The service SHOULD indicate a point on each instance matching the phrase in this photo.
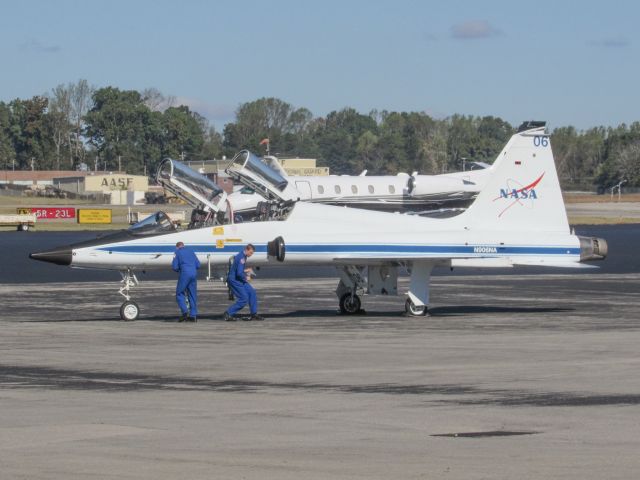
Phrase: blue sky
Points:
(567, 62)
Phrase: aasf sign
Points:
(117, 183)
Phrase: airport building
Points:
(302, 167)
(123, 189)
(116, 188)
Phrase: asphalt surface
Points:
(513, 376)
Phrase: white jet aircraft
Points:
(518, 218)
(431, 195)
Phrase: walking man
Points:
(238, 280)
(186, 263)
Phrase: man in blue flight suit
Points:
(238, 280)
(186, 264)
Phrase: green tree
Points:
(29, 133)
(7, 150)
(122, 129)
(183, 135)
(337, 138)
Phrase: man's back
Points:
(185, 260)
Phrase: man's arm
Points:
(175, 264)
(239, 270)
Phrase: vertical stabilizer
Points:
(523, 192)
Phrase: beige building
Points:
(124, 189)
(302, 167)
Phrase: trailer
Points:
(22, 222)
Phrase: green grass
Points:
(40, 201)
(590, 220)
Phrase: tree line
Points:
(112, 129)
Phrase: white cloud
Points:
(216, 112)
(619, 42)
(474, 29)
(34, 45)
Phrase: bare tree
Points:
(81, 94)
(156, 101)
(628, 163)
(60, 118)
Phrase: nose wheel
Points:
(129, 311)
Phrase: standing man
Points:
(238, 280)
(186, 264)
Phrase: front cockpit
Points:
(154, 224)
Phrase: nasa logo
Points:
(522, 194)
(517, 195)
(485, 250)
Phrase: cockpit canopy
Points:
(252, 172)
(154, 224)
(191, 186)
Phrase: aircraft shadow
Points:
(450, 311)
(453, 311)
(336, 314)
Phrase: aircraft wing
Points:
(474, 262)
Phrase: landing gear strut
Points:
(352, 280)
(129, 310)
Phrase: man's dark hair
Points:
(179, 245)
(250, 247)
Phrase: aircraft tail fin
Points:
(523, 192)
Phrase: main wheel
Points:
(129, 311)
(349, 304)
(414, 310)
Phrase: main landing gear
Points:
(350, 304)
(352, 280)
(129, 310)
(415, 310)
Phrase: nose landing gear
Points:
(129, 310)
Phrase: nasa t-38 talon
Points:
(518, 218)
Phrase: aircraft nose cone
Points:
(59, 256)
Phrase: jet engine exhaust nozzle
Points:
(592, 248)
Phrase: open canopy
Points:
(191, 186)
(251, 171)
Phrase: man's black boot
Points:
(183, 317)
(256, 317)
(228, 318)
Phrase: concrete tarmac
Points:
(512, 377)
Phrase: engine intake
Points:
(592, 248)
(276, 248)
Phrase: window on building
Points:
(371, 189)
(392, 189)
(320, 189)
(354, 189)
(338, 189)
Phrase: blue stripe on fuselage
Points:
(341, 249)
